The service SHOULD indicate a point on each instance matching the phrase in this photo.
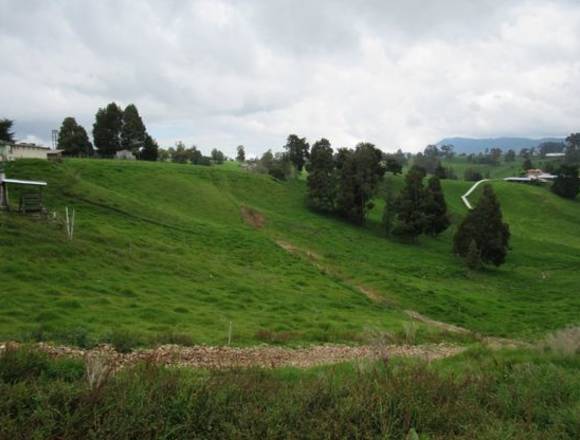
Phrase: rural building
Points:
(10, 151)
(125, 155)
(30, 194)
(555, 154)
(533, 176)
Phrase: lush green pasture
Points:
(480, 394)
(504, 169)
(163, 253)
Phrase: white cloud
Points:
(223, 73)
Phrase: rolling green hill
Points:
(176, 252)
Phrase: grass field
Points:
(162, 253)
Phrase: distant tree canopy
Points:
(133, 132)
(150, 149)
(116, 129)
(472, 175)
(435, 209)
(5, 134)
(527, 165)
(321, 178)
(73, 139)
(484, 226)
(393, 163)
(241, 154)
(510, 156)
(297, 150)
(572, 156)
(550, 147)
(217, 156)
(567, 184)
(410, 204)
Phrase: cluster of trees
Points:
(181, 154)
(114, 129)
(418, 209)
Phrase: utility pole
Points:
(54, 139)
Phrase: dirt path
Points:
(260, 356)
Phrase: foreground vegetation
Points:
(174, 253)
(478, 395)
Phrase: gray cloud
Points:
(221, 73)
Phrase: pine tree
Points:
(241, 156)
(107, 130)
(5, 134)
(435, 208)
(73, 139)
(440, 172)
(133, 130)
(484, 225)
(150, 149)
(473, 257)
(410, 204)
(567, 184)
(321, 178)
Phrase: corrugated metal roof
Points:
(24, 182)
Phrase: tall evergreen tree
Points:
(133, 132)
(241, 154)
(410, 203)
(567, 184)
(435, 208)
(5, 134)
(150, 149)
(298, 151)
(484, 225)
(107, 130)
(73, 139)
(321, 177)
(360, 172)
(527, 165)
(573, 149)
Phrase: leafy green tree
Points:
(164, 155)
(361, 171)
(150, 149)
(410, 204)
(472, 175)
(392, 164)
(266, 161)
(389, 211)
(107, 130)
(73, 139)
(196, 156)
(241, 154)
(180, 154)
(133, 132)
(217, 156)
(435, 208)
(567, 184)
(510, 156)
(484, 225)
(297, 150)
(321, 177)
(5, 134)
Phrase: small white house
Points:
(555, 154)
(124, 155)
(22, 151)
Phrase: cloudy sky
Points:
(222, 73)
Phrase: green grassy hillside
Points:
(164, 250)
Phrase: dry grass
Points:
(565, 341)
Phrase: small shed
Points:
(124, 155)
(30, 194)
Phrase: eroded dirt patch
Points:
(252, 217)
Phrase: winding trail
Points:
(475, 185)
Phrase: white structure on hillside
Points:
(22, 151)
(555, 154)
(533, 175)
(125, 154)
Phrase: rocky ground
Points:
(259, 356)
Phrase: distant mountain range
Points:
(473, 145)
